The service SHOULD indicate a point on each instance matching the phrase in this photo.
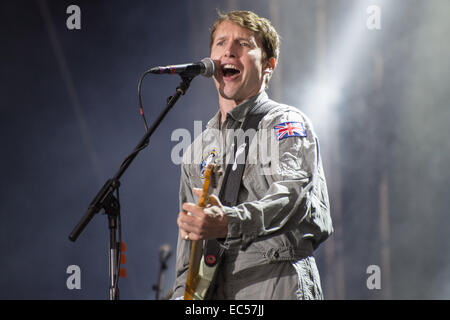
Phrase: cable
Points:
(141, 111)
(141, 108)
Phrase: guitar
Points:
(199, 274)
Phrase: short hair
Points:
(262, 27)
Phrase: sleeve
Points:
(183, 247)
(296, 194)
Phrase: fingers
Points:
(189, 235)
(189, 226)
(200, 225)
(184, 235)
(193, 210)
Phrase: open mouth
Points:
(230, 71)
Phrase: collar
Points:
(239, 112)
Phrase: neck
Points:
(226, 105)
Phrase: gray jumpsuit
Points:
(283, 211)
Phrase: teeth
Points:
(230, 66)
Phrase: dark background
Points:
(69, 115)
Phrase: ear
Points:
(270, 65)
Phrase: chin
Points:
(229, 94)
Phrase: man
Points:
(282, 213)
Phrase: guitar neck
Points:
(197, 245)
(195, 256)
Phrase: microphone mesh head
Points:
(210, 67)
(164, 252)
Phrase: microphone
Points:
(164, 253)
(206, 68)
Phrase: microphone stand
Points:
(106, 200)
(158, 287)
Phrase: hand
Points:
(198, 223)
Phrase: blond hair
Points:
(262, 27)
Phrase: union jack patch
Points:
(289, 129)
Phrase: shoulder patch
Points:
(289, 129)
(207, 159)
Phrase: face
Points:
(238, 56)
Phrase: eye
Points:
(220, 43)
(245, 44)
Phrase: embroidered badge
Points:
(207, 159)
(289, 129)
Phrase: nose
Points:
(230, 50)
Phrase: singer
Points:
(267, 223)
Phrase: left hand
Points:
(196, 224)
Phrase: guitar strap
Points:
(232, 179)
(231, 183)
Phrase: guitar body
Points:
(203, 282)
